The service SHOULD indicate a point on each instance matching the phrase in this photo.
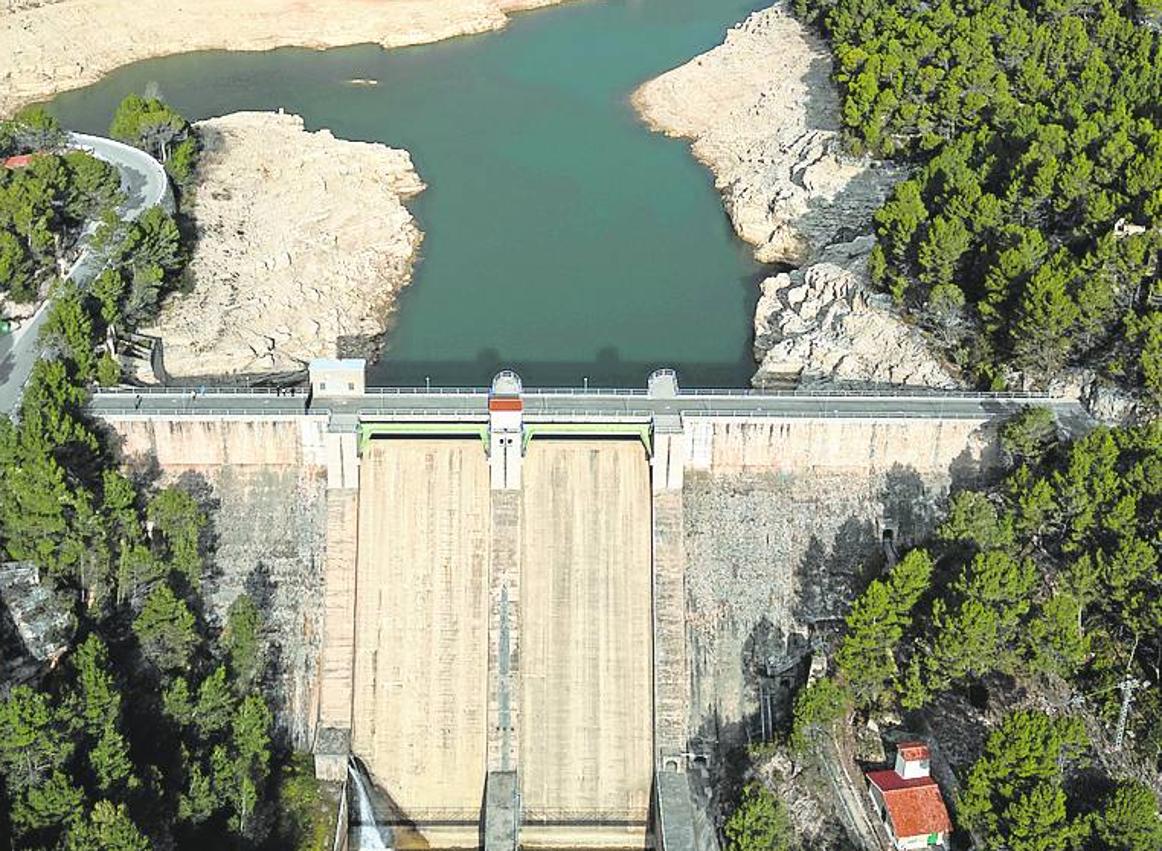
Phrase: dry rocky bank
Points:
(50, 46)
(304, 245)
(763, 116)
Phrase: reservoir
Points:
(562, 237)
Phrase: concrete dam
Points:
(533, 615)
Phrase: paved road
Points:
(144, 182)
(566, 403)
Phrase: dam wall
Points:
(784, 522)
(421, 628)
(268, 485)
(551, 600)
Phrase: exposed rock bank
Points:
(304, 245)
(49, 46)
(764, 118)
(821, 324)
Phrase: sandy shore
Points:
(49, 46)
(763, 115)
(304, 244)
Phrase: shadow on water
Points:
(607, 369)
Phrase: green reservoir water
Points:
(562, 238)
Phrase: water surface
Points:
(562, 238)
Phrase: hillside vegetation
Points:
(153, 729)
(1028, 235)
(1041, 591)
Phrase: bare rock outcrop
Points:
(764, 118)
(304, 244)
(821, 325)
(49, 46)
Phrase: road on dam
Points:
(472, 403)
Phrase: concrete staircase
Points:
(671, 673)
(504, 631)
(339, 609)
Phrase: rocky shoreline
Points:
(763, 115)
(50, 46)
(304, 245)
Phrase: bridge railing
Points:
(694, 392)
(880, 393)
(426, 391)
(199, 411)
(831, 413)
(200, 392)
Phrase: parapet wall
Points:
(796, 445)
(207, 441)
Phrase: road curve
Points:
(146, 185)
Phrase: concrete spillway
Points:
(573, 622)
(421, 613)
(585, 668)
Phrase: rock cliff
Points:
(821, 324)
(763, 116)
(49, 46)
(304, 244)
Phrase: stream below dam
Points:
(562, 237)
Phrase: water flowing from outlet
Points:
(366, 834)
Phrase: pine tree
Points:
(759, 822)
(866, 658)
(166, 631)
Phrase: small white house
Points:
(337, 377)
(909, 802)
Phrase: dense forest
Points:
(1027, 237)
(154, 729)
(1042, 589)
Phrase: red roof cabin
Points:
(18, 161)
(909, 802)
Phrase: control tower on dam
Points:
(537, 611)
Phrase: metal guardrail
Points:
(422, 391)
(473, 392)
(833, 413)
(877, 393)
(461, 414)
(537, 415)
(296, 411)
(187, 391)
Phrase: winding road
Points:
(145, 184)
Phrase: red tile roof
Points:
(19, 161)
(915, 806)
(912, 751)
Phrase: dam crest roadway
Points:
(506, 646)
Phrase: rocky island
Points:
(304, 244)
